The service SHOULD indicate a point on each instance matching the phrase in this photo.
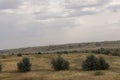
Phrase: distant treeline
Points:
(113, 52)
(106, 51)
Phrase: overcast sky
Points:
(26, 23)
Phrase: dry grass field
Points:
(41, 68)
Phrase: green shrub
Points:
(74, 51)
(39, 53)
(59, 52)
(90, 63)
(65, 52)
(60, 64)
(19, 54)
(93, 63)
(102, 51)
(24, 65)
(102, 64)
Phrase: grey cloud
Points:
(78, 4)
(82, 13)
(114, 8)
(10, 4)
(71, 8)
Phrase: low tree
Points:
(24, 65)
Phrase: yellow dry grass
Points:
(41, 68)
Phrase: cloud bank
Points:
(25, 23)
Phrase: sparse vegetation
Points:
(113, 52)
(0, 67)
(24, 65)
(4, 56)
(67, 52)
(41, 69)
(60, 64)
(98, 73)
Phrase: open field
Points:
(41, 68)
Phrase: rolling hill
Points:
(63, 47)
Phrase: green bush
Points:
(90, 63)
(39, 53)
(102, 51)
(24, 65)
(65, 52)
(102, 64)
(19, 54)
(60, 64)
(93, 63)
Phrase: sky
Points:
(27, 23)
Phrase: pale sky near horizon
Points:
(26, 23)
